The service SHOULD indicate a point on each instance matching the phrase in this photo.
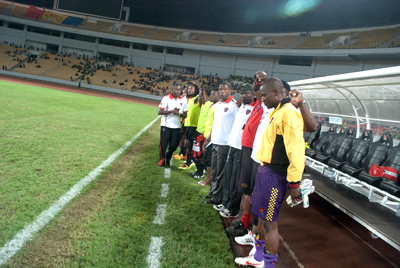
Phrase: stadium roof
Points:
(258, 16)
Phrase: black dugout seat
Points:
(330, 150)
(316, 143)
(377, 154)
(393, 160)
(358, 151)
(313, 136)
(324, 143)
(342, 150)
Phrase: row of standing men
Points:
(252, 151)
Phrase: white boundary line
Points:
(164, 190)
(291, 252)
(167, 173)
(153, 259)
(12, 247)
(160, 217)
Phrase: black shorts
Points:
(191, 133)
(207, 156)
(245, 171)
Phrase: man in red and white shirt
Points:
(172, 108)
(224, 116)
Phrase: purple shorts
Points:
(268, 193)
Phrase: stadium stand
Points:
(165, 35)
(3, 6)
(199, 38)
(372, 38)
(100, 26)
(395, 44)
(38, 67)
(18, 11)
(136, 31)
(236, 41)
(277, 41)
(321, 42)
(10, 56)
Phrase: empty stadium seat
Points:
(324, 141)
(330, 150)
(377, 153)
(352, 149)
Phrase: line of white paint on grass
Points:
(167, 173)
(12, 247)
(160, 217)
(153, 259)
(164, 190)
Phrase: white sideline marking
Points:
(164, 190)
(160, 217)
(291, 252)
(167, 173)
(12, 247)
(153, 259)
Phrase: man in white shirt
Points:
(172, 108)
(224, 116)
(235, 145)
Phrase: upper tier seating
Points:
(206, 39)
(100, 26)
(18, 11)
(377, 153)
(3, 6)
(373, 38)
(166, 35)
(321, 42)
(136, 31)
(278, 41)
(236, 41)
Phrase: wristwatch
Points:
(303, 101)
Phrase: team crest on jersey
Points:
(163, 129)
(262, 209)
(247, 112)
(226, 109)
(181, 103)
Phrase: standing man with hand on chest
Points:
(281, 155)
(172, 108)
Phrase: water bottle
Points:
(398, 211)
(332, 176)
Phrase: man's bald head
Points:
(272, 92)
